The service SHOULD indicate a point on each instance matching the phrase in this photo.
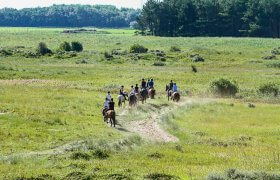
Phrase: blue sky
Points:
(42, 3)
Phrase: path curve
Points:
(150, 129)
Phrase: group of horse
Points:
(134, 98)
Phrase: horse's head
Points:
(166, 88)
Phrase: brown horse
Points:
(111, 115)
(152, 93)
(175, 97)
(132, 100)
(143, 95)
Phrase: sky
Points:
(19, 4)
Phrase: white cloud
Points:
(35, 3)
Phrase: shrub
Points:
(42, 49)
(5, 52)
(232, 174)
(161, 176)
(224, 87)
(270, 57)
(108, 56)
(198, 58)
(80, 155)
(269, 89)
(136, 48)
(274, 65)
(77, 46)
(65, 46)
(100, 154)
(276, 51)
(175, 49)
(159, 63)
(194, 69)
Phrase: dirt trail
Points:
(150, 129)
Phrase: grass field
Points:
(50, 107)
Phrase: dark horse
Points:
(110, 114)
(168, 91)
(152, 93)
(143, 95)
(132, 100)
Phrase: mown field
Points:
(50, 107)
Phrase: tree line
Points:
(256, 18)
(69, 16)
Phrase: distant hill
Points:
(69, 16)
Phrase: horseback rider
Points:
(148, 83)
(122, 92)
(136, 89)
(143, 84)
(105, 107)
(175, 88)
(132, 91)
(151, 84)
(112, 105)
(109, 97)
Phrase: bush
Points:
(108, 56)
(65, 46)
(100, 154)
(197, 58)
(77, 46)
(80, 155)
(42, 49)
(269, 89)
(194, 69)
(175, 49)
(136, 48)
(232, 174)
(5, 52)
(224, 87)
(161, 176)
(159, 63)
(274, 65)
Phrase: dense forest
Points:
(256, 18)
(69, 16)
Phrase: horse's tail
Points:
(120, 103)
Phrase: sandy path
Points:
(150, 129)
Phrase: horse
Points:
(175, 97)
(143, 95)
(152, 93)
(110, 114)
(132, 100)
(168, 91)
(121, 99)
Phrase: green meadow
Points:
(51, 126)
